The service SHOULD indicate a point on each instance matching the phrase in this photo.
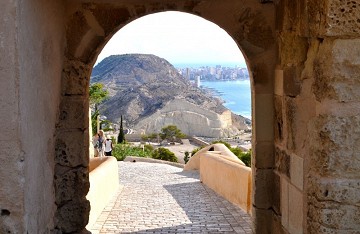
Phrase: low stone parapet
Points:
(228, 178)
(104, 183)
(224, 173)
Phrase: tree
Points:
(149, 137)
(171, 133)
(121, 136)
(97, 94)
(164, 154)
(186, 157)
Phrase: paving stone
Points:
(159, 198)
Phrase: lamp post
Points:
(98, 119)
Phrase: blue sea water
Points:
(236, 94)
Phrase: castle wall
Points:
(11, 187)
(31, 65)
(316, 112)
(304, 66)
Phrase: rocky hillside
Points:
(141, 85)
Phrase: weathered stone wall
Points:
(11, 163)
(316, 116)
(31, 44)
(41, 45)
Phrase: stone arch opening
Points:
(91, 25)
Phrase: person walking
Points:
(95, 144)
(108, 146)
(101, 145)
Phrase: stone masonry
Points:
(303, 58)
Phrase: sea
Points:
(236, 94)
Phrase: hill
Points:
(141, 86)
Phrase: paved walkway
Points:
(158, 198)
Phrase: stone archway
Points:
(310, 185)
(91, 25)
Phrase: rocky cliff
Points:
(150, 93)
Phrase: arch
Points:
(90, 27)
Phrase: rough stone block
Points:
(332, 217)
(342, 18)
(75, 78)
(74, 113)
(276, 194)
(263, 188)
(75, 32)
(295, 210)
(282, 162)
(292, 84)
(264, 156)
(297, 171)
(337, 70)
(277, 226)
(110, 18)
(263, 221)
(293, 52)
(279, 82)
(341, 191)
(264, 113)
(73, 216)
(285, 203)
(279, 124)
(72, 149)
(335, 148)
(70, 184)
(290, 121)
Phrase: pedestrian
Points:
(100, 142)
(108, 146)
(95, 144)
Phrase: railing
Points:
(223, 172)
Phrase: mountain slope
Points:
(141, 85)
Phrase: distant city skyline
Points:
(180, 38)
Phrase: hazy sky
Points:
(176, 37)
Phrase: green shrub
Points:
(222, 142)
(164, 154)
(246, 158)
(149, 148)
(121, 151)
(237, 151)
(194, 151)
(186, 157)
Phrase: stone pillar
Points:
(72, 150)
(333, 178)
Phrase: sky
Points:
(180, 38)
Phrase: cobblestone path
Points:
(158, 198)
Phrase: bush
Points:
(194, 151)
(164, 154)
(121, 151)
(246, 158)
(149, 148)
(222, 142)
(186, 157)
(237, 151)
